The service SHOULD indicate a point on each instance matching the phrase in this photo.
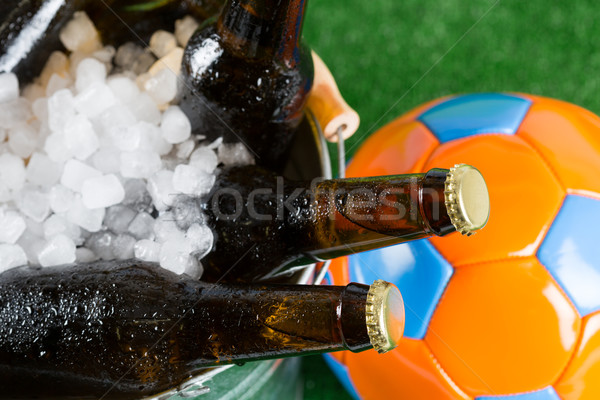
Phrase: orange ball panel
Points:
(415, 374)
(338, 270)
(503, 328)
(568, 137)
(397, 148)
(524, 198)
(581, 380)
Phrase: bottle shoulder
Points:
(209, 59)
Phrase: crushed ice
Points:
(97, 160)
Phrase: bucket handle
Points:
(328, 106)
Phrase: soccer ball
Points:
(512, 312)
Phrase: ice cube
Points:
(123, 247)
(137, 196)
(102, 243)
(192, 180)
(75, 173)
(57, 83)
(166, 229)
(162, 87)
(31, 243)
(89, 71)
(41, 170)
(94, 99)
(34, 203)
(14, 112)
(114, 118)
(160, 187)
(175, 125)
(80, 137)
(124, 89)
(152, 139)
(171, 62)
(142, 226)
(175, 255)
(107, 160)
(58, 250)
(80, 34)
(232, 154)
(140, 164)
(5, 194)
(12, 171)
(13, 226)
(204, 159)
(147, 250)
(145, 109)
(184, 29)
(105, 56)
(56, 224)
(84, 255)
(11, 255)
(61, 108)
(186, 211)
(186, 148)
(22, 140)
(201, 239)
(127, 54)
(60, 198)
(118, 218)
(162, 42)
(40, 110)
(90, 220)
(57, 63)
(35, 227)
(56, 147)
(102, 191)
(126, 138)
(9, 87)
(143, 62)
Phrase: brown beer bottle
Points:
(264, 225)
(132, 329)
(246, 77)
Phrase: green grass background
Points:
(389, 56)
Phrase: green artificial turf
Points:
(389, 56)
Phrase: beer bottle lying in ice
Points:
(247, 76)
(30, 29)
(265, 225)
(131, 329)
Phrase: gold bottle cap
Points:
(467, 199)
(385, 316)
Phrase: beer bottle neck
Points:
(361, 214)
(263, 28)
(390, 205)
(254, 322)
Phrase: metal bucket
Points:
(272, 379)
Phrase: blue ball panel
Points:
(545, 394)
(341, 372)
(418, 270)
(571, 252)
(475, 114)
